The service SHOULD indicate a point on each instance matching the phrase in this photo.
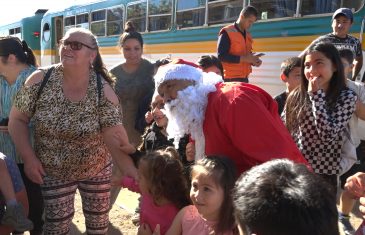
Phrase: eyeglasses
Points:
(74, 45)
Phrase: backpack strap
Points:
(44, 81)
(43, 84)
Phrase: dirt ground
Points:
(123, 209)
(120, 215)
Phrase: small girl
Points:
(163, 187)
(318, 111)
(212, 181)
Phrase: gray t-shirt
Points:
(349, 42)
(131, 88)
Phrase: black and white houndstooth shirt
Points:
(320, 134)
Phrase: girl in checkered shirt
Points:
(318, 111)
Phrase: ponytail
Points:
(30, 58)
(13, 45)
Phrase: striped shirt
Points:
(7, 94)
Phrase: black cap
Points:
(345, 12)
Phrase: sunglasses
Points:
(74, 45)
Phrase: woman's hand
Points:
(190, 151)
(34, 170)
(116, 181)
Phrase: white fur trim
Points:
(177, 71)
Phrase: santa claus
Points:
(238, 120)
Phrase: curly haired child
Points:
(163, 187)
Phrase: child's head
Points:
(290, 72)
(347, 58)
(323, 60)
(161, 174)
(210, 63)
(280, 197)
(212, 180)
(157, 106)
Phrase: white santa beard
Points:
(186, 115)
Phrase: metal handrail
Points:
(362, 29)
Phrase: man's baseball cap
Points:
(345, 12)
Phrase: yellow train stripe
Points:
(260, 44)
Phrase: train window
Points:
(159, 14)
(137, 14)
(84, 18)
(311, 7)
(270, 9)
(354, 4)
(46, 32)
(98, 23)
(69, 23)
(114, 21)
(82, 21)
(223, 11)
(190, 13)
(15, 31)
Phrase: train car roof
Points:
(82, 4)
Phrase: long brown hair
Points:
(298, 100)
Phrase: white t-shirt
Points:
(356, 129)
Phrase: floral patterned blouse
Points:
(68, 138)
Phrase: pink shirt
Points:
(151, 213)
(192, 223)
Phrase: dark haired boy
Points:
(290, 74)
(280, 197)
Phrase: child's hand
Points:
(116, 181)
(148, 117)
(144, 229)
(190, 151)
(313, 84)
(355, 185)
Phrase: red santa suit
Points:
(242, 122)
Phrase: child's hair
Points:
(165, 174)
(206, 61)
(280, 197)
(347, 54)
(289, 64)
(298, 100)
(223, 172)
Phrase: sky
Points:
(14, 10)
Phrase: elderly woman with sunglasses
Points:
(77, 119)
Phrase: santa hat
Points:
(178, 69)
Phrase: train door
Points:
(58, 35)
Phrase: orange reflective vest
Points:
(239, 46)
